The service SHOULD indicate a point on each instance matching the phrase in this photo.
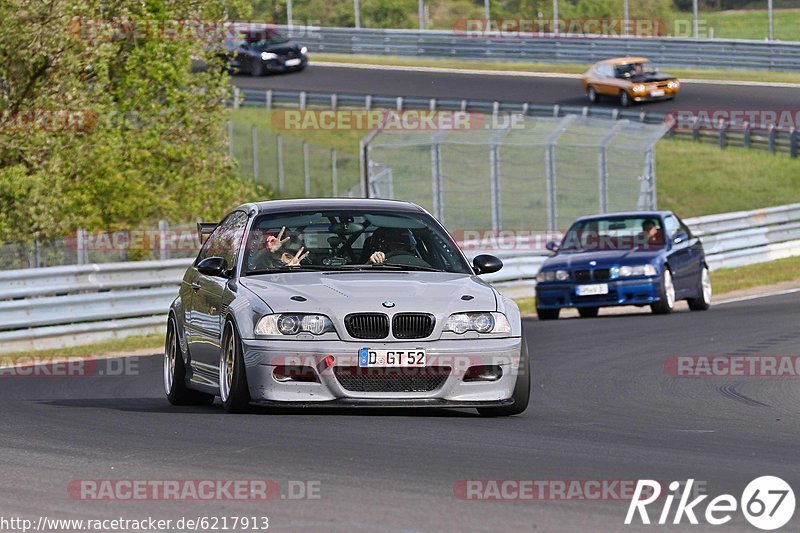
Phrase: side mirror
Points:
(213, 266)
(552, 246)
(679, 238)
(486, 264)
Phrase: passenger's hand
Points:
(377, 258)
(290, 260)
(274, 243)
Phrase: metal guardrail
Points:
(47, 308)
(774, 140)
(669, 51)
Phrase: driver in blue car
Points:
(650, 233)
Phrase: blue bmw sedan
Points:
(639, 258)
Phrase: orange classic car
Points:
(628, 79)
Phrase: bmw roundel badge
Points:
(387, 304)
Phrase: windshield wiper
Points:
(390, 266)
(282, 269)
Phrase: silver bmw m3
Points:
(342, 302)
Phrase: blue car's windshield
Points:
(614, 233)
(353, 239)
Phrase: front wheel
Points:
(233, 390)
(257, 69)
(522, 388)
(175, 372)
(591, 95)
(703, 300)
(666, 301)
(624, 99)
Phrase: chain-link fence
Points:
(541, 173)
(290, 166)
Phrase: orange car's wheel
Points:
(591, 94)
(624, 99)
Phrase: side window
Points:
(671, 226)
(225, 240)
(685, 229)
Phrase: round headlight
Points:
(458, 323)
(625, 271)
(314, 324)
(562, 275)
(304, 50)
(266, 56)
(638, 88)
(289, 324)
(483, 323)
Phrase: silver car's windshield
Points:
(352, 239)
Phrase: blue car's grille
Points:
(598, 274)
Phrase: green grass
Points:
(696, 179)
(154, 342)
(559, 68)
(751, 24)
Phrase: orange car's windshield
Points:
(635, 69)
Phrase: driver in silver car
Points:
(394, 245)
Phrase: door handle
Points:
(195, 286)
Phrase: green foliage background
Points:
(156, 148)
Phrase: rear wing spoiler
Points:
(204, 229)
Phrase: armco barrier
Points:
(671, 51)
(47, 308)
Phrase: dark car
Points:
(258, 53)
(641, 258)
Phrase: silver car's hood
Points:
(339, 293)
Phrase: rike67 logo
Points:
(767, 503)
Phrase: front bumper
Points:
(280, 64)
(263, 356)
(647, 97)
(639, 291)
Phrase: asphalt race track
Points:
(603, 409)
(562, 91)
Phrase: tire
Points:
(588, 312)
(233, 390)
(547, 314)
(666, 301)
(522, 388)
(257, 69)
(591, 94)
(703, 300)
(175, 372)
(624, 99)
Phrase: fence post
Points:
(306, 170)
(436, 181)
(334, 174)
(723, 133)
(268, 99)
(163, 249)
(37, 252)
(463, 106)
(494, 186)
(602, 174)
(334, 101)
(773, 133)
(82, 254)
(303, 97)
(793, 143)
(230, 139)
(556, 110)
(399, 103)
(746, 136)
(696, 129)
(254, 140)
(281, 177)
(235, 98)
(551, 185)
(368, 102)
(432, 104)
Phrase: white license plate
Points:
(656, 94)
(592, 290)
(368, 358)
(292, 62)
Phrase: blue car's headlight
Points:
(552, 275)
(481, 322)
(292, 324)
(628, 271)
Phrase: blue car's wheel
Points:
(703, 300)
(666, 295)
